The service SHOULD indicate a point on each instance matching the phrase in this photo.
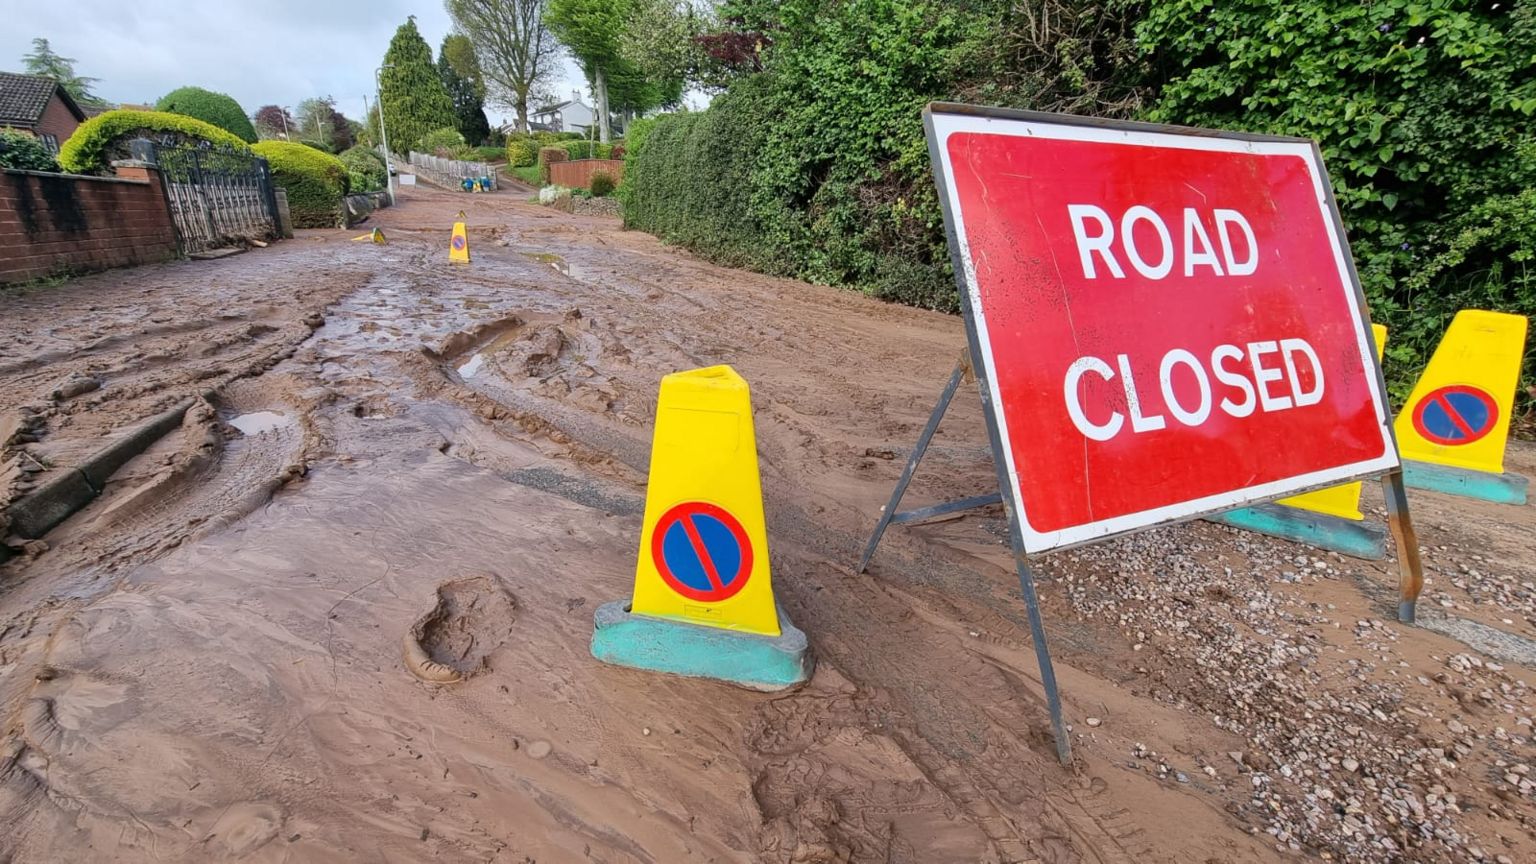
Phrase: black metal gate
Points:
(217, 195)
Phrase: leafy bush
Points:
(488, 153)
(365, 169)
(217, 109)
(546, 156)
(522, 152)
(24, 152)
(441, 142)
(105, 137)
(322, 146)
(602, 184)
(315, 182)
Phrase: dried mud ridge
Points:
(471, 618)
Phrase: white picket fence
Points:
(450, 172)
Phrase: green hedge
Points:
(218, 109)
(688, 178)
(315, 182)
(522, 152)
(103, 138)
(365, 169)
(546, 156)
(586, 149)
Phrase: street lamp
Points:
(378, 99)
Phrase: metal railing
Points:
(217, 195)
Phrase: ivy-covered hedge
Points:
(103, 138)
(1426, 116)
(365, 168)
(817, 167)
(218, 109)
(315, 182)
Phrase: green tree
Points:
(43, 61)
(414, 99)
(459, 52)
(516, 50)
(591, 30)
(217, 108)
(468, 103)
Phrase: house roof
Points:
(23, 99)
(548, 108)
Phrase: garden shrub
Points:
(104, 138)
(365, 169)
(601, 184)
(217, 109)
(441, 142)
(546, 156)
(315, 182)
(23, 152)
(488, 153)
(322, 146)
(522, 152)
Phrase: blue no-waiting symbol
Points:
(1455, 415)
(702, 552)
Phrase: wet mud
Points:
(288, 632)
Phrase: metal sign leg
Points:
(917, 456)
(1043, 658)
(1410, 571)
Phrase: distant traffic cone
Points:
(458, 245)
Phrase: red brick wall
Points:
(57, 121)
(60, 223)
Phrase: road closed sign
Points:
(1167, 323)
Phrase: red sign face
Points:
(1168, 323)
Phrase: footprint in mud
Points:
(472, 617)
(246, 826)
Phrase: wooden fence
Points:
(577, 174)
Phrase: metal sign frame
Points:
(973, 363)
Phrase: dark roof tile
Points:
(24, 97)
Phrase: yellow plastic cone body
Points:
(704, 546)
(458, 244)
(1343, 500)
(1458, 414)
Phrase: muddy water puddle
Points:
(558, 262)
(257, 422)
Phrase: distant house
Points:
(38, 105)
(571, 116)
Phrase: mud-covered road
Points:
(206, 663)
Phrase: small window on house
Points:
(50, 142)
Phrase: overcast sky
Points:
(263, 53)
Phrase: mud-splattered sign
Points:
(1167, 323)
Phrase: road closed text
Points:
(1236, 380)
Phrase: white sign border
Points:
(942, 124)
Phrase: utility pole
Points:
(378, 99)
